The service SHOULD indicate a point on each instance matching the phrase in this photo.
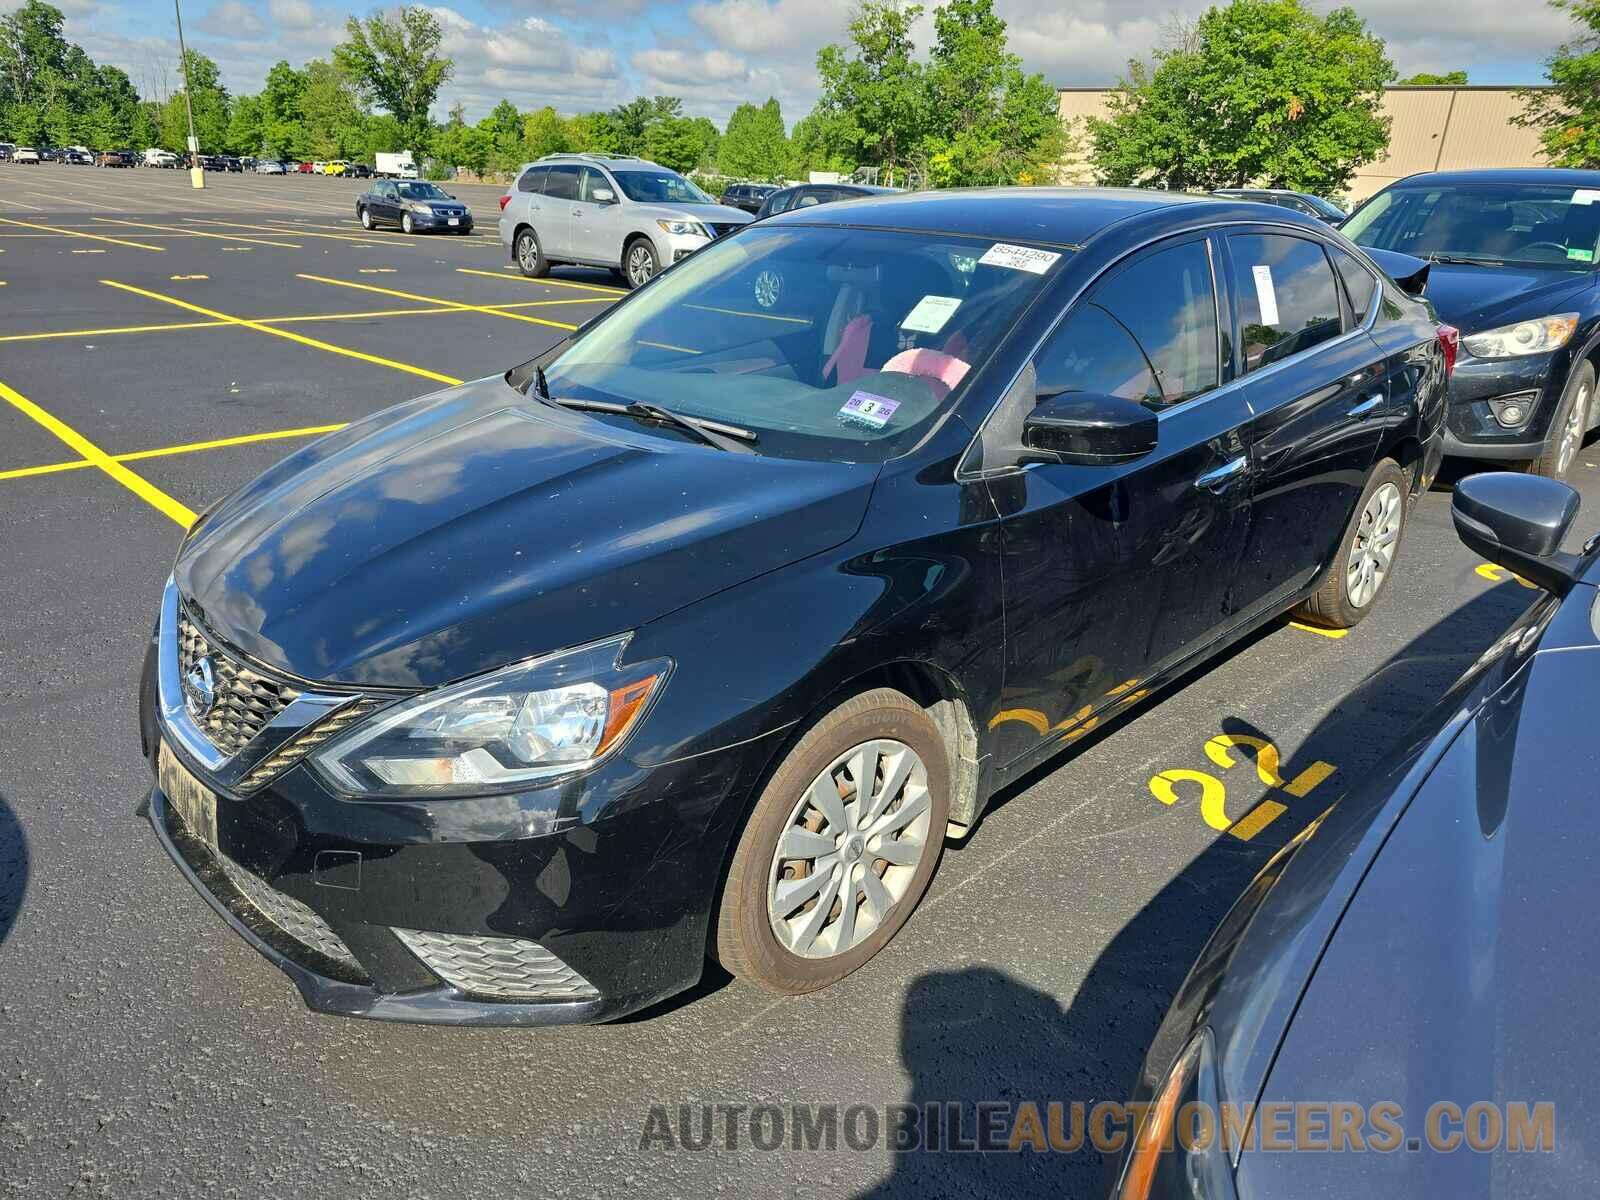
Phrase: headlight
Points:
(1179, 1151)
(684, 228)
(501, 731)
(1525, 337)
(418, 206)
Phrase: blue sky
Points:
(583, 54)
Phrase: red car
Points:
(303, 168)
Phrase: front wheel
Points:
(839, 848)
(366, 218)
(407, 225)
(1366, 554)
(1567, 429)
(639, 264)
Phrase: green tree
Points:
(873, 106)
(330, 106)
(816, 145)
(989, 121)
(545, 131)
(1568, 115)
(394, 61)
(755, 146)
(245, 128)
(503, 128)
(1260, 92)
(210, 100)
(598, 133)
(1451, 78)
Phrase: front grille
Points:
(307, 740)
(724, 229)
(295, 919)
(501, 968)
(245, 700)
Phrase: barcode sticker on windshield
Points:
(1266, 294)
(931, 313)
(869, 409)
(1019, 258)
(1586, 196)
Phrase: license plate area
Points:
(455, 220)
(195, 802)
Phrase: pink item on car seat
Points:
(850, 356)
(941, 370)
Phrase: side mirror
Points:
(1519, 521)
(1090, 430)
(603, 195)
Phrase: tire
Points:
(530, 254)
(1567, 427)
(1360, 571)
(818, 950)
(639, 264)
(366, 217)
(406, 224)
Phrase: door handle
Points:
(577, 212)
(1368, 406)
(1218, 478)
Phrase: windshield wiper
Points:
(714, 433)
(540, 383)
(1474, 260)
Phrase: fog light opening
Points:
(1512, 411)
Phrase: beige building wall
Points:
(1431, 128)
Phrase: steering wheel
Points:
(1560, 250)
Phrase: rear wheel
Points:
(1567, 430)
(530, 255)
(839, 848)
(1366, 554)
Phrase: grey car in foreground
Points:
(1401, 1005)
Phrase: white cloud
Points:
(232, 19)
(691, 67)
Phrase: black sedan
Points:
(416, 206)
(808, 194)
(704, 628)
(1401, 977)
(747, 196)
(1515, 268)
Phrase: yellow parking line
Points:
(164, 451)
(477, 308)
(221, 237)
(341, 237)
(284, 333)
(134, 482)
(75, 233)
(72, 333)
(567, 283)
(1318, 630)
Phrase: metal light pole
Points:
(197, 177)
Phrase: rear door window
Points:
(1285, 295)
(1360, 285)
(562, 184)
(533, 179)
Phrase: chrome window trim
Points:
(966, 474)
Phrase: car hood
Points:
(477, 527)
(721, 214)
(1463, 968)
(1477, 298)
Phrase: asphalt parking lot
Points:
(158, 347)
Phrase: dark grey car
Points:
(1421, 955)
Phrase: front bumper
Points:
(432, 221)
(614, 886)
(1471, 430)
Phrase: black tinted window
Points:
(533, 180)
(1165, 300)
(1359, 283)
(563, 183)
(1092, 352)
(1287, 299)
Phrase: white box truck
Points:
(395, 166)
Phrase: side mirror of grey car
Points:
(603, 195)
(1088, 429)
(1518, 522)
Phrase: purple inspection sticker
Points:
(870, 409)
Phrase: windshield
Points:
(1540, 225)
(659, 187)
(1326, 207)
(421, 191)
(829, 343)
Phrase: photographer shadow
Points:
(13, 867)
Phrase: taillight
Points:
(1450, 343)
(505, 200)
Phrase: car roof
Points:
(1558, 176)
(1061, 216)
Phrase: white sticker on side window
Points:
(1266, 294)
(931, 313)
(1019, 258)
(1586, 196)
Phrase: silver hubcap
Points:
(1572, 431)
(850, 849)
(1373, 550)
(407, 224)
(366, 219)
(641, 264)
(528, 252)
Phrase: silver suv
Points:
(624, 213)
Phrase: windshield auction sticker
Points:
(1019, 258)
(869, 409)
(1266, 294)
(1586, 196)
(931, 313)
